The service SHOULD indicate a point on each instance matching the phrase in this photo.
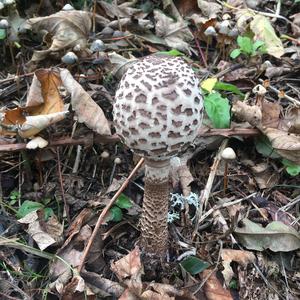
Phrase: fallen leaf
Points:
(176, 34)
(209, 9)
(86, 109)
(276, 236)
(213, 288)
(264, 31)
(67, 29)
(240, 256)
(44, 233)
(286, 144)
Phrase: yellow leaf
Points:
(209, 84)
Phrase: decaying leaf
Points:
(213, 288)
(66, 30)
(176, 34)
(286, 144)
(241, 257)
(86, 109)
(209, 9)
(45, 233)
(264, 31)
(276, 236)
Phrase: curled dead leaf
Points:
(86, 109)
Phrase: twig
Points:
(87, 141)
(206, 192)
(104, 212)
(294, 101)
(62, 186)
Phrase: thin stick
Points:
(66, 206)
(104, 212)
(206, 192)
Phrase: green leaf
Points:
(228, 87)
(28, 207)
(291, 167)
(48, 211)
(257, 45)
(172, 52)
(114, 214)
(246, 44)
(123, 202)
(2, 34)
(218, 110)
(235, 53)
(194, 265)
(264, 147)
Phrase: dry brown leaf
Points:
(240, 256)
(67, 29)
(245, 112)
(286, 144)
(209, 9)
(270, 114)
(265, 176)
(176, 34)
(43, 96)
(296, 25)
(213, 288)
(86, 109)
(129, 265)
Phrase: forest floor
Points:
(233, 222)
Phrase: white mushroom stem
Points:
(154, 226)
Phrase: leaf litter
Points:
(236, 239)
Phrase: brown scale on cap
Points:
(157, 112)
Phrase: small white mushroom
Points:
(68, 7)
(228, 154)
(210, 31)
(4, 24)
(69, 58)
(157, 113)
(117, 161)
(104, 154)
(97, 46)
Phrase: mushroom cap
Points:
(97, 45)
(69, 58)
(228, 154)
(158, 107)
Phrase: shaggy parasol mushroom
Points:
(157, 113)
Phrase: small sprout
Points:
(4, 24)
(228, 154)
(117, 161)
(210, 31)
(97, 46)
(68, 7)
(104, 154)
(69, 58)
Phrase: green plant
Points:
(14, 196)
(30, 206)
(248, 47)
(115, 214)
(291, 168)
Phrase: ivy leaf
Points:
(258, 44)
(194, 265)
(264, 147)
(123, 202)
(218, 110)
(292, 168)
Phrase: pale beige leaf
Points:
(35, 124)
(264, 31)
(86, 109)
